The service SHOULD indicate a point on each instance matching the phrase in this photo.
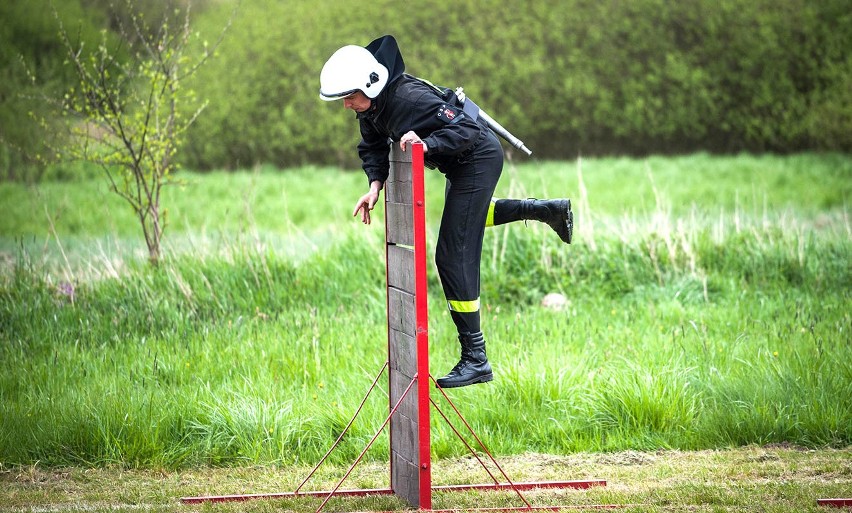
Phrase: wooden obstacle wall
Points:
(408, 354)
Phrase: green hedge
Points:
(568, 77)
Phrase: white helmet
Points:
(352, 68)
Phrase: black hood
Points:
(386, 51)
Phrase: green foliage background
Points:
(32, 61)
(569, 77)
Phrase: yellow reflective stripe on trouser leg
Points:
(489, 221)
(463, 306)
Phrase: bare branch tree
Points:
(128, 114)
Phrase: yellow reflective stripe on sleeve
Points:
(489, 221)
(464, 306)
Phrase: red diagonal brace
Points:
(345, 430)
(370, 444)
(482, 445)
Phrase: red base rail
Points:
(579, 485)
(835, 503)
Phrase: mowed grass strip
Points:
(766, 479)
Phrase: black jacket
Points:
(406, 104)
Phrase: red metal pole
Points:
(577, 485)
(422, 338)
(537, 508)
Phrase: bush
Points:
(579, 77)
(569, 78)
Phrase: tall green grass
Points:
(690, 323)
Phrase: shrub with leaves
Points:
(128, 115)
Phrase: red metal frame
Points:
(425, 495)
(418, 194)
(835, 503)
(422, 379)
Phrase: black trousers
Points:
(470, 187)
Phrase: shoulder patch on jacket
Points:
(449, 114)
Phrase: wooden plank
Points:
(401, 268)
(403, 353)
(404, 479)
(408, 407)
(397, 155)
(398, 192)
(408, 480)
(404, 440)
(400, 224)
(401, 314)
(398, 187)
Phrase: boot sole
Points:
(565, 226)
(569, 221)
(479, 379)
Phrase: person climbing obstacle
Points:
(394, 107)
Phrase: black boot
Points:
(473, 366)
(556, 213)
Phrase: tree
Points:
(127, 110)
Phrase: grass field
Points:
(709, 307)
